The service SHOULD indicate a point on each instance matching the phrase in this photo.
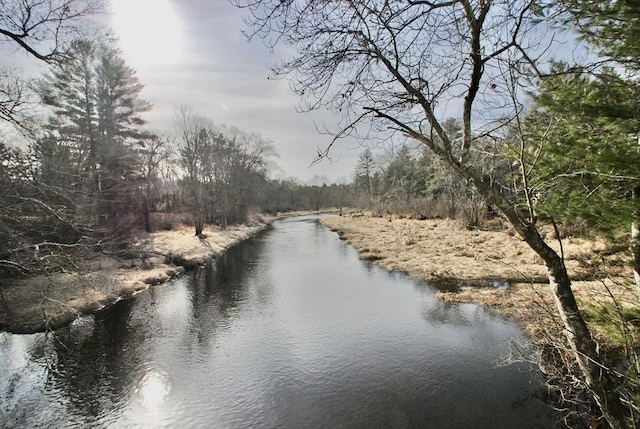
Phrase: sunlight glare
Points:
(153, 390)
(150, 31)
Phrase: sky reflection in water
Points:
(289, 330)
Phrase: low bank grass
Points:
(443, 251)
(614, 315)
(618, 327)
(495, 268)
(55, 298)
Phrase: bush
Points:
(168, 221)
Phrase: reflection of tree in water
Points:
(25, 362)
(95, 360)
(224, 284)
(440, 313)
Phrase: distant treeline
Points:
(92, 173)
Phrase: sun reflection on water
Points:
(153, 390)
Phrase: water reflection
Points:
(153, 390)
(290, 330)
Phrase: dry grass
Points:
(443, 249)
(470, 265)
(42, 302)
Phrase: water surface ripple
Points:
(289, 330)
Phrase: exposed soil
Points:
(494, 267)
(38, 303)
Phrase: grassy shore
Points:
(495, 268)
(488, 267)
(42, 302)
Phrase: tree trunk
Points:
(199, 224)
(146, 213)
(146, 217)
(635, 238)
(146, 209)
(599, 379)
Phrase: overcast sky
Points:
(192, 52)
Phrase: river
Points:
(287, 330)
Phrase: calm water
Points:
(289, 330)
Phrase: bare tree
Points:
(223, 168)
(156, 152)
(16, 108)
(402, 66)
(193, 147)
(43, 27)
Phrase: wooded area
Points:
(92, 172)
(541, 138)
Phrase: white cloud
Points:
(223, 76)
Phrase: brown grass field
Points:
(495, 268)
(38, 303)
(490, 267)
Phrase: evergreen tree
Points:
(614, 27)
(611, 25)
(70, 90)
(96, 126)
(363, 177)
(584, 131)
(403, 182)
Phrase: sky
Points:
(193, 53)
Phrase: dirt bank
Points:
(494, 268)
(33, 304)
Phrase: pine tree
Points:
(96, 125)
(614, 28)
(364, 172)
(583, 131)
(611, 25)
(70, 90)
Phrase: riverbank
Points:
(494, 268)
(38, 303)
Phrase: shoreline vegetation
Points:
(491, 267)
(44, 302)
(494, 268)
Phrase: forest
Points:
(539, 139)
(92, 173)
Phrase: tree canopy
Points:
(584, 143)
(612, 26)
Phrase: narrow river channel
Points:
(288, 330)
